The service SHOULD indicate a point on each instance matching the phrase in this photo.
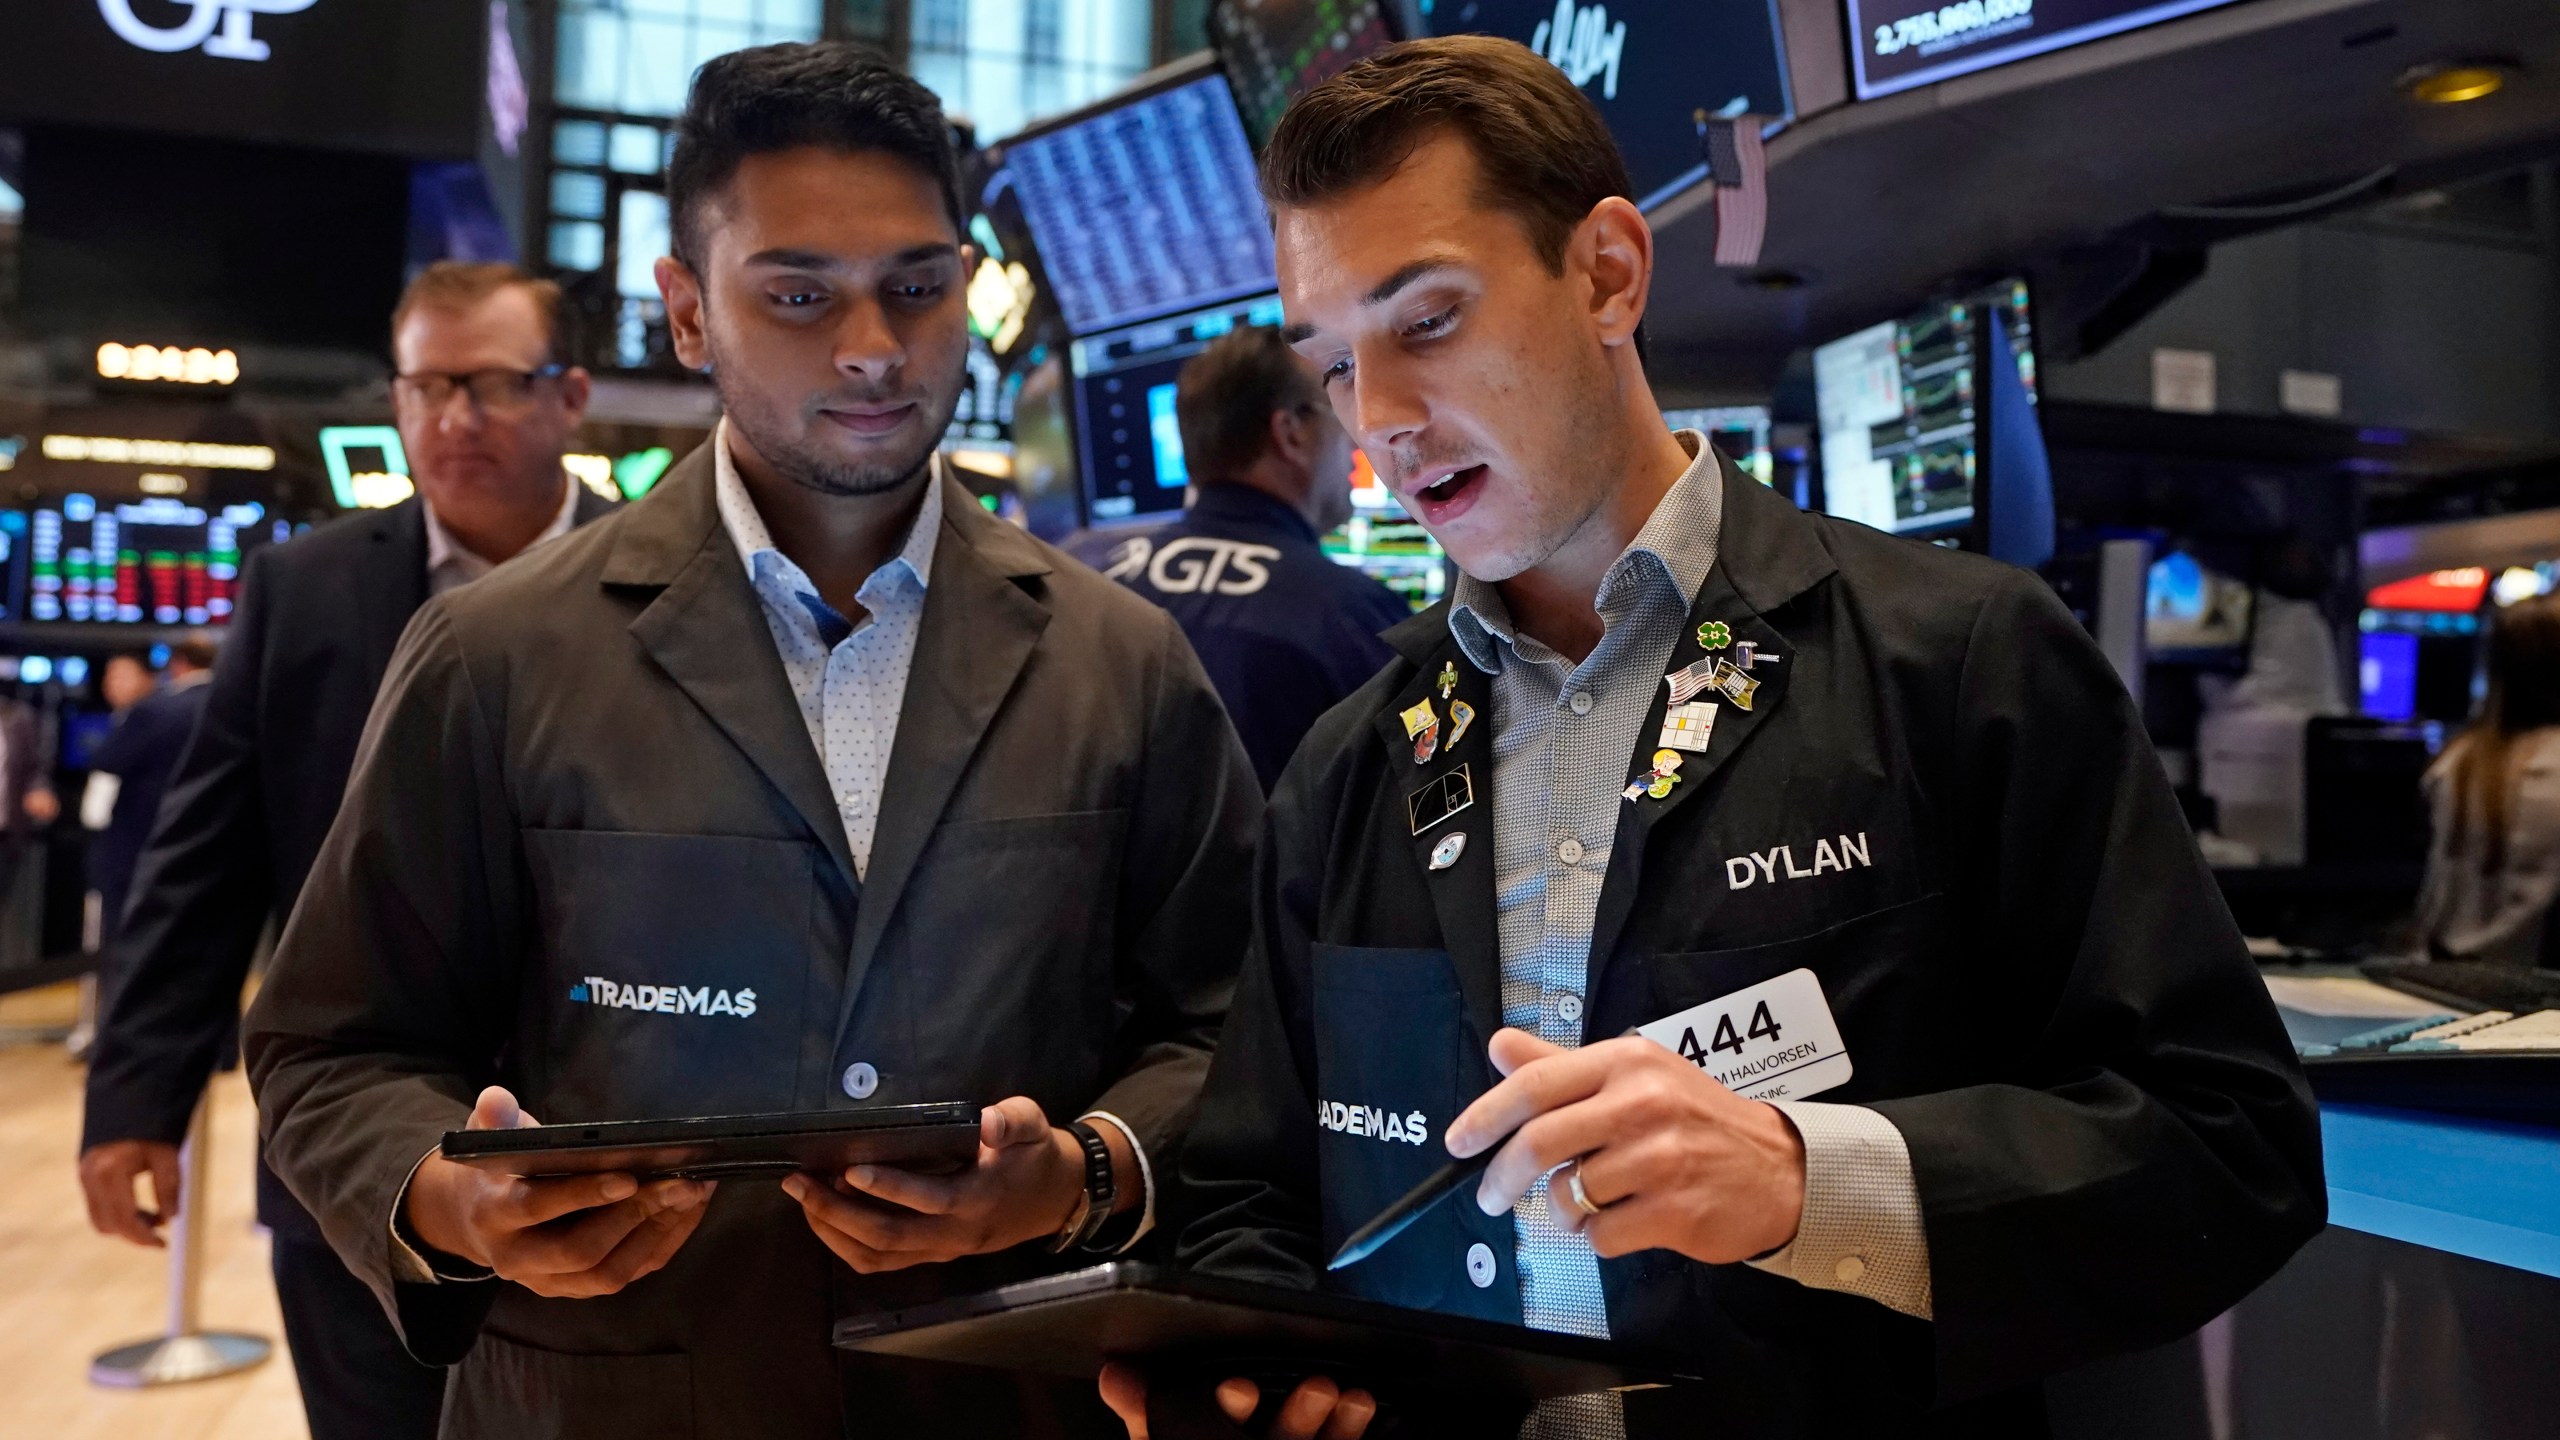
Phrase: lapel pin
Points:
(1461, 715)
(1688, 727)
(1690, 680)
(1426, 744)
(1735, 686)
(1656, 782)
(1440, 799)
(1448, 680)
(1451, 846)
(1746, 653)
(1419, 718)
(1714, 635)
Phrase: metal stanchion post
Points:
(182, 1352)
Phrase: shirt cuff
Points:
(1146, 1177)
(409, 1262)
(1861, 1232)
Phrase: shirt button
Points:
(1480, 1266)
(1570, 1007)
(1849, 1269)
(860, 1079)
(1570, 852)
(1581, 702)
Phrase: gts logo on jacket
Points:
(1372, 1122)
(1195, 565)
(664, 999)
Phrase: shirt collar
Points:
(1675, 548)
(738, 515)
(444, 549)
(1241, 504)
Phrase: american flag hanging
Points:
(1741, 176)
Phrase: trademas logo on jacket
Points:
(664, 999)
(1372, 1122)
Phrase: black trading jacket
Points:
(2036, 979)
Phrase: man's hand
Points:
(1029, 1178)
(571, 1237)
(41, 805)
(107, 1176)
(1673, 1160)
(1317, 1410)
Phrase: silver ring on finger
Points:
(1574, 1191)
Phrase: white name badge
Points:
(1774, 1041)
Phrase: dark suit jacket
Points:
(140, 752)
(590, 768)
(252, 797)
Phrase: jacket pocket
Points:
(1883, 973)
(675, 972)
(504, 1390)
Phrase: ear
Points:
(1613, 246)
(1290, 439)
(576, 388)
(683, 292)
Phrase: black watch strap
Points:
(1101, 1188)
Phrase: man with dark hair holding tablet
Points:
(1951, 1069)
(920, 810)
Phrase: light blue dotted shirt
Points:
(850, 680)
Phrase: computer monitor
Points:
(2387, 674)
(1128, 442)
(1740, 431)
(1897, 44)
(2195, 615)
(1274, 50)
(1904, 413)
(1146, 204)
(151, 562)
(1653, 69)
(1381, 541)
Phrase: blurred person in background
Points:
(486, 404)
(130, 771)
(2493, 866)
(123, 682)
(1284, 632)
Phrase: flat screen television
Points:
(150, 562)
(1897, 44)
(1128, 443)
(1274, 50)
(1145, 204)
(1908, 416)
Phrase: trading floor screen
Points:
(1126, 431)
(1900, 407)
(1147, 207)
(156, 562)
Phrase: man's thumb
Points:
(496, 1110)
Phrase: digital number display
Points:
(1903, 43)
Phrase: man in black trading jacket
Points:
(1284, 632)
(806, 721)
(485, 407)
(1953, 1073)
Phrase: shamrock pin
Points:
(1715, 635)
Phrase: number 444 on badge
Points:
(1773, 1041)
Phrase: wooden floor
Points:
(67, 1292)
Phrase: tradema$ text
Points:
(1372, 1122)
(664, 999)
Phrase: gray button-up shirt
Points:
(1563, 735)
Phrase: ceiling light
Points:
(2455, 83)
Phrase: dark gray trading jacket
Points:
(2036, 979)
(590, 764)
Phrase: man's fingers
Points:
(1351, 1416)
(925, 1194)
(1539, 1146)
(167, 1190)
(1237, 1397)
(1512, 1049)
(1306, 1410)
(106, 1183)
(1124, 1390)
(524, 1204)
(568, 1246)
(1533, 1089)
(1015, 1121)
(647, 1249)
(496, 1109)
(877, 1239)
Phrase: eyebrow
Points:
(1380, 293)
(787, 259)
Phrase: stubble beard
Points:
(776, 437)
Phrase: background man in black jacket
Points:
(130, 772)
(485, 411)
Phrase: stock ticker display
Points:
(1901, 406)
(152, 562)
(1275, 49)
(1146, 207)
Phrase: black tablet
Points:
(1171, 1322)
(939, 1137)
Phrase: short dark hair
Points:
(828, 93)
(1226, 395)
(196, 650)
(1544, 153)
(460, 284)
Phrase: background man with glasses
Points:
(485, 407)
